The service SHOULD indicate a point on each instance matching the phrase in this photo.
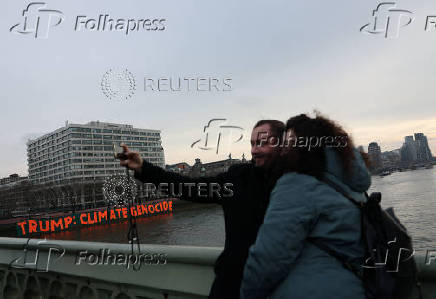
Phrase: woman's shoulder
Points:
(293, 181)
(292, 197)
(304, 190)
(301, 188)
(307, 190)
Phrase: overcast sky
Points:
(284, 58)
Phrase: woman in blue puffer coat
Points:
(307, 219)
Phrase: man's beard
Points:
(272, 161)
(279, 163)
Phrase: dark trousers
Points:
(225, 288)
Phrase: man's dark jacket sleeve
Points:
(156, 175)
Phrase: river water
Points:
(411, 193)
(189, 224)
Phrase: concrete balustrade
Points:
(38, 268)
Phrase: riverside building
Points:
(85, 151)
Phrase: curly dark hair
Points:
(311, 160)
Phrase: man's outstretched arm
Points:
(211, 189)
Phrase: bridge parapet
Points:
(35, 268)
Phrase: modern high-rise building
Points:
(374, 153)
(409, 149)
(423, 152)
(415, 149)
(85, 151)
(409, 139)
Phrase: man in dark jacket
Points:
(243, 212)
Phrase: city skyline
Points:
(169, 161)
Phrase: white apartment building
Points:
(85, 151)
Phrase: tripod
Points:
(132, 233)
